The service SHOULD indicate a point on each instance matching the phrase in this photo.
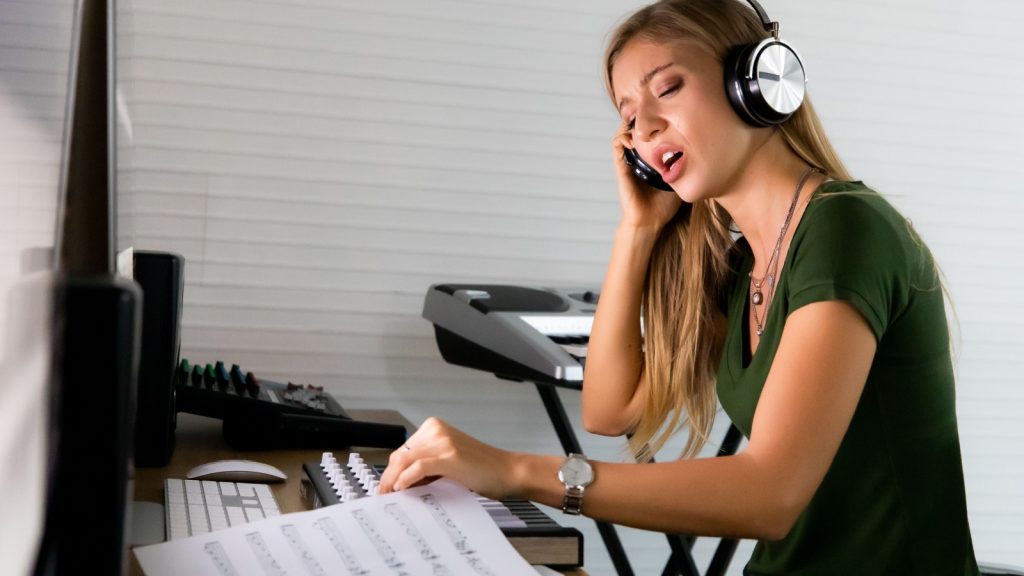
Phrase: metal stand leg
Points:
(556, 411)
(680, 562)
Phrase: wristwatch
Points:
(576, 473)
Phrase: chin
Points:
(686, 191)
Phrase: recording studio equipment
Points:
(160, 275)
(261, 414)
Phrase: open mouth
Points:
(669, 158)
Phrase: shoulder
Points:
(847, 221)
(852, 244)
(852, 207)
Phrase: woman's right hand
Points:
(642, 206)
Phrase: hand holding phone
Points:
(641, 206)
(643, 171)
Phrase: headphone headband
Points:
(764, 80)
(767, 22)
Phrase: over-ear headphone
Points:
(765, 81)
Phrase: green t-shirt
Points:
(893, 500)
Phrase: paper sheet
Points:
(438, 529)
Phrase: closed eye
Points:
(671, 90)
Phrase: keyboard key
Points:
(198, 507)
(228, 489)
(236, 515)
(197, 517)
(263, 492)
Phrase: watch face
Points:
(576, 471)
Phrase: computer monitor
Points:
(66, 391)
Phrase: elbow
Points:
(604, 424)
(780, 517)
(775, 529)
(601, 426)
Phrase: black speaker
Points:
(766, 81)
(160, 275)
(89, 489)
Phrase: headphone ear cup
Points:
(744, 92)
(735, 85)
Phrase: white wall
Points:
(321, 162)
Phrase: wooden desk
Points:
(199, 440)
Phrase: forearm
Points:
(615, 355)
(724, 496)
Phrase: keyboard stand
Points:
(556, 411)
(680, 562)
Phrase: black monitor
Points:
(94, 317)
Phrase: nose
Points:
(648, 124)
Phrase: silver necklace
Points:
(771, 270)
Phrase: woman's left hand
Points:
(439, 450)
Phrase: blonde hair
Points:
(689, 269)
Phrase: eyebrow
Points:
(646, 80)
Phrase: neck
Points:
(759, 197)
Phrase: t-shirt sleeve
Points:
(851, 251)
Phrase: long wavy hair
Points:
(689, 269)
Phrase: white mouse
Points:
(237, 471)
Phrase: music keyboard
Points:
(515, 332)
(538, 538)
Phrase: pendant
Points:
(760, 331)
(757, 298)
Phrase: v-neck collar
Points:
(742, 360)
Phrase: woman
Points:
(822, 327)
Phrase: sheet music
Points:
(439, 529)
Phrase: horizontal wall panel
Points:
(305, 85)
(400, 125)
(271, 166)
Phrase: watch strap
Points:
(573, 500)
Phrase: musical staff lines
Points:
(263, 554)
(298, 545)
(379, 541)
(341, 546)
(222, 564)
(455, 534)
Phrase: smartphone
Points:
(644, 172)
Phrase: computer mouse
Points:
(237, 471)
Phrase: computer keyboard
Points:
(199, 506)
